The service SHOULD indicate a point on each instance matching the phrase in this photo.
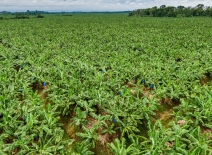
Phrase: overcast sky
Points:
(92, 5)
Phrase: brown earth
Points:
(165, 110)
(207, 78)
(42, 92)
(143, 91)
(205, 130)
(70, 130)
(101, 147)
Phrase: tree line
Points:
(171, 11)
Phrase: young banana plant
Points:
(119, 147)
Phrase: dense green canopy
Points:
(171, 11)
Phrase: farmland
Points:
(106, 84)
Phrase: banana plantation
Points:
(106, 84)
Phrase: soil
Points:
(148, 93)
(165, 110)
(143, 128)
(17, 68)
(91, 122)
(9, 140)
(130, 84)
(181, 122)
(104, 139)
(70, 131)
(170, 144)
(101, 147)
(41, 91)
(165, 115)
(145, 91)
(15, 151)
(205, 130)
(206, 79)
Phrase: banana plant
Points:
(83, 148)
(79, 119)
(89, 135)
(199, 144)
(119, 147)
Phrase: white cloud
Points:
(92, 5)
(183, 2)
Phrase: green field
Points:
(106, 84)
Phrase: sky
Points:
(92, 5)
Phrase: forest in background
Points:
(171, 11)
